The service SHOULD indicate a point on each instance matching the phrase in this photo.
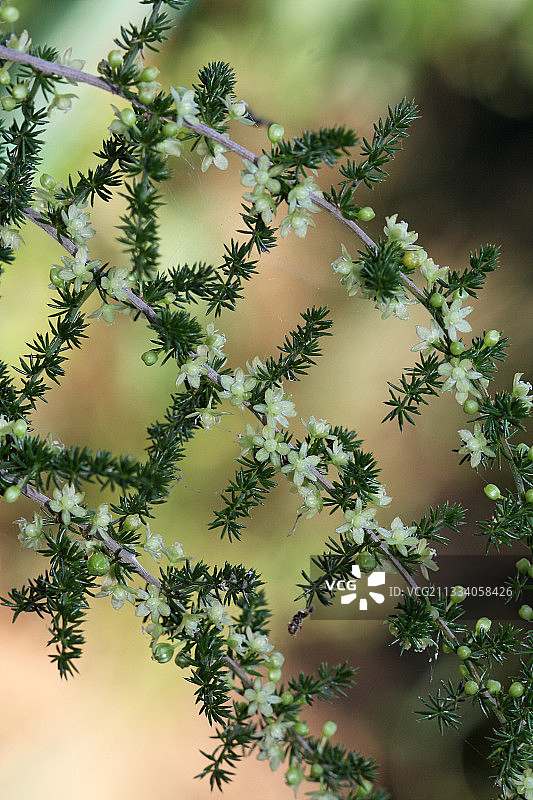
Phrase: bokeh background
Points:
(127, 727)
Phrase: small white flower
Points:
(299, 221)
(521, 390)
(153, 604)
(277, 407)
(399, 536)
(31, 532)
(381, 498)
(217, 613)
(396, 305)
(11, 237)
(475, 445)
(302, 465)
(215, 157)
(237, 388)
(312, 500)
(454, 318)
(459, 375)
(154, 544)
(192, 371)
(432, 272)
(262, 697)
(186, 108)
(77, 223)
(349, 270)
(358, 521)
(397, 232)
(118, 282)
(66, 501)
(101, 520)
(258, 642)
(237, 642)
(299, 196)
(428, 337)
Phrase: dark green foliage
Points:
(60, 594)
(215, 82)
(299, 350)
(448, 516)
(386, 141)
(417, 383)
(472, 279)
(381, 270)
(330, 682)
(311, 149)
(248, 489)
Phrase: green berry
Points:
(276, 132)
(301, 728)
(163, 652)
(114, 58)
(169, 298)
(457, 594)
(47, 182)
(98, 564)
(149, 74)
(530, 454)
(526, 612)
(146, 95)
(276, 659)
(463, 671)
(523, 565)
(491, 338)
(132, 522)
(471, 687)
(446, 648)
(457, 348)
(169, 129)
(367, 561)
(5, 77)
(329, 729)
(20, 428)
(8, 103)
(55, 277)
(516, 689)
(127, 115)
(494, 686)
(471, 407)
(464, 652)
(483, 625)
(410, 259)
(11, 494)
(287, 698)
(366, 213)
(317, 770)
(9, 14)
(529, 496)
(274, 674)
(437, 300)
(492, 491)
(19, 91)
(182, 660)
(150, 357)
(294, 776)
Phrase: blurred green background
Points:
(127, 727)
